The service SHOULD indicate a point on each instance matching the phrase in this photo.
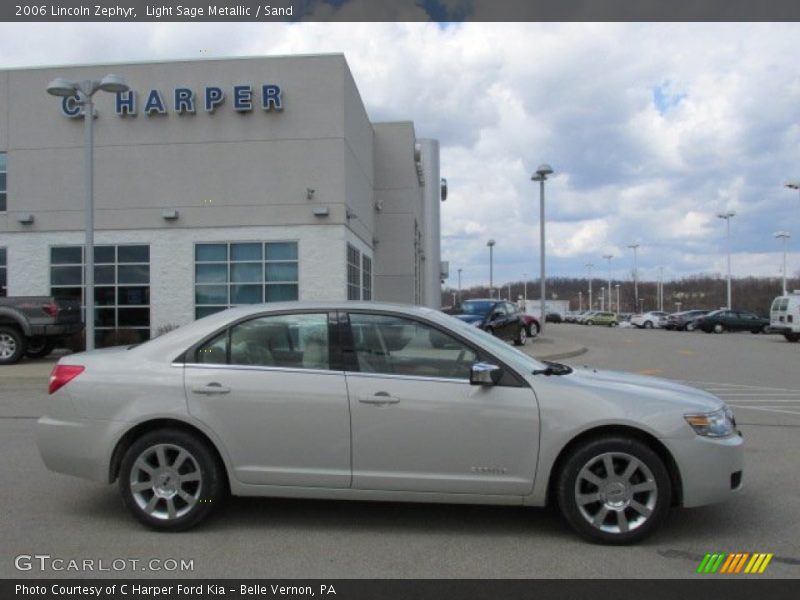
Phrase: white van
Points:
(784, 316)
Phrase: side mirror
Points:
(485, 374)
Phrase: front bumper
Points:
(710, 468)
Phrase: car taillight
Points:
(62, 375)
(51, 309)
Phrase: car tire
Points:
(792, 337)
(522, 337)
(648, 324)
(163, 494)
(764, 329)
(620, 506)
(690, 327)
(12, 345)
(533, 331)
(718, 328)
(39, 347)
(590, 322)
(613, 324)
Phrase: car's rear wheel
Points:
(691, 327)
(533, 330)
(718, 328)
(613, 324)
(648, 324)
(792, 337)
(521, 338)
(12, 345)
(614, 490)
(590, 322)
(170, 480)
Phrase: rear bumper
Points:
(711, 469)
(76, 446)
(57, 329)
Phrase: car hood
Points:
(470, 318)
(641, 388)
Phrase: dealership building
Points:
(217, 183)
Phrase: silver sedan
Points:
(369, 401)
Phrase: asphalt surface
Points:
(49, 514)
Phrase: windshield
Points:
(476, 307)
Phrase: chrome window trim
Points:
(212, 366)
(406, 377)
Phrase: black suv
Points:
(497, 317)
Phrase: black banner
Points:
(734, 588)
(400, 10)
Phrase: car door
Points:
(265, 386)
(418, 424)
(498, 320)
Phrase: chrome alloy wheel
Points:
(8, 345)
(616, 492)
(165, 481)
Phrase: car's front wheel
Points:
(690, 327)
(792, 337)
(718, 328)
(648, 324)
(170, 480)
(521, 338)
(533, 330)
(614, 490)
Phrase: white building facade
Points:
(217, 183)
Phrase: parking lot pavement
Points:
(64, 517)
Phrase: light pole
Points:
(602, 297)
(459, 286)
(635, 247)
(661, 288)
(608, 257)
(618, 309)
(784, 235)
(589, 266)
(580, 301)
(83, 91)
(728, 216)
(541, 176)
(490, 243)
(525, 288)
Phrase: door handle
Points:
(379, 399)
(210, 389)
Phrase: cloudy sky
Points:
(652, 129)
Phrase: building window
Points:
(122, 286)
(3, 181)
(353, 273)
(229, 274)
(367, 277)
(3, 276)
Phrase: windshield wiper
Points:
(553, 368)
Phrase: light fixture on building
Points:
(443, 186)
(310, 193)
(25, 219)
(321, 211)
(169, 214)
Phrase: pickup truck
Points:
(33, 325)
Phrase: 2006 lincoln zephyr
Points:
(371, 401)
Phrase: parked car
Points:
(602, 318)
(553, 318)
(784, 316)
(497, 317)
(684, 320)
(532, 327)
(719, 321)
(649, 320)
(585, 315)
(351, 400)
(32, 325)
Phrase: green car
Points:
(602, 318)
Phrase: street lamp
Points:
(525, 288)
(491, 243)
(459, 286)
(635, 247)
(608, 257)
(602, 297)
(728, 216)
(580, 301)
(589, 266)
(83, 91)
(618, 308)
(541, 176)
(784, 235)
(661, 288)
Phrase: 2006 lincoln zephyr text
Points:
(371, 401)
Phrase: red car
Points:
(531, 324)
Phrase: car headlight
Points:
(719, 423)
